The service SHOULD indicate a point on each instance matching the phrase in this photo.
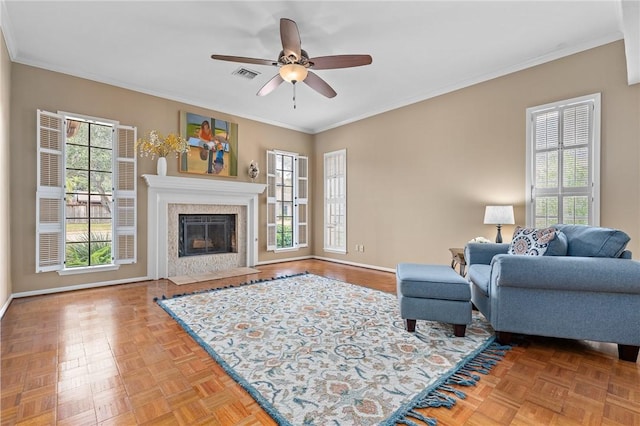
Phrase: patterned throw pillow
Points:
(531, 241)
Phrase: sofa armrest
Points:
(573, 273)
(482, 253)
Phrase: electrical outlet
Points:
(362, 248)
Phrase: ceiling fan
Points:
(295, 64)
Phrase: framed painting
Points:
(213, 145)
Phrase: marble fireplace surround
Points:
(169, 195)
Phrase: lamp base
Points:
(499, 236)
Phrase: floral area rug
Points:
(317, 351)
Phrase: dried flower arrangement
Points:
(155, 144)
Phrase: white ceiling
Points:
(420, 49)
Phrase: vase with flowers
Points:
(157, 145)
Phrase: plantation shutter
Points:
(50, 198)
(302, 200)
(562, 185)
(124, 196)
(271, 200)
(335, 201)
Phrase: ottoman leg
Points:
(459, 329)
(503, 337)
(410, 325)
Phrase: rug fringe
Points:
(444, 395)
(414, 414)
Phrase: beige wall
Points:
(5, 226)
(34, 88)
(419, 177)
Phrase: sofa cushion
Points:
(594, 241)
(531, 241)
(558, 246)
(479, 275)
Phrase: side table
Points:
(457, 259)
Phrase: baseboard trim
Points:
(328, 259)
(78, 287)
(289, 259)
(6, 306)
(360, 265)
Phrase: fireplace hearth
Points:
(202, 234)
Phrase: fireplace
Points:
(171, 196)
(202, 234)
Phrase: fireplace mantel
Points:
(165, 190)
(176, 183)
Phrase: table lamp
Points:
(499, 215)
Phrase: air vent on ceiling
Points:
(246, 73)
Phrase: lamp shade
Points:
(499, 215)
(293, 72)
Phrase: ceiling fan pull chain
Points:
(294, 94)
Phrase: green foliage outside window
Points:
(284, 236)
(93, 247)
(88, 162)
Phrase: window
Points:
(563, 162)
(86, 197)
(287, 200)
(335, 201)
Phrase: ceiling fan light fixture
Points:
(293, 63)
(293, 72)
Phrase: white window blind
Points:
(563, 141)
(335, 201)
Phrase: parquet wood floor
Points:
(111, 356)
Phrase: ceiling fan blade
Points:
(244, 60)
(339, 61)
(319, 85)
(290, 37)
(270, 86)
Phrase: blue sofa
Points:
(585, 287)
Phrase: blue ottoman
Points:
(433, 293)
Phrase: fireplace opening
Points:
(201, 234)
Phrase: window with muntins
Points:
(563, 162)
(335, 201)
(86, 197)
(287, 200)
